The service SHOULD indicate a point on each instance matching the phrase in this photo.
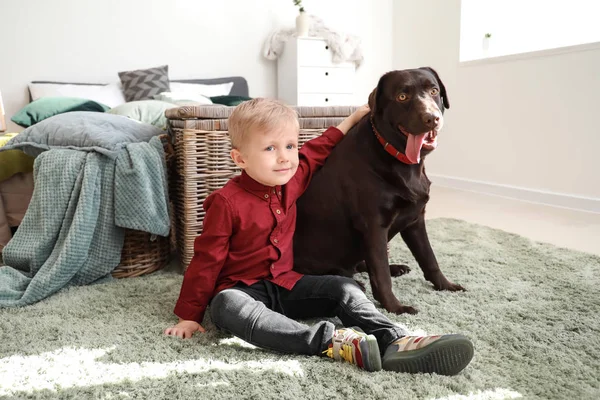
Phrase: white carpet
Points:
(531, 310)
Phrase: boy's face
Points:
(270, 158)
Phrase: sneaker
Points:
(355, 347)
(443, 355)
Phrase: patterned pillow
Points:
(143, 84)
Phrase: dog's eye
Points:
(402, 97)
(434, 91)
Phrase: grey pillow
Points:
(143, 84)
(83, 130)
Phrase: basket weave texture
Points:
(203, 164)
(144, 253)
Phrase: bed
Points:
(16, 190)
(15, 194)
(239, 88)
(16, 186)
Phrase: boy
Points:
(242, 264)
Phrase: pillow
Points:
(46, 107)
(83, 130)
(219, 89)
(148, 111)
(229, 100)
(177, 98)
(142, 84)
(111, 94)
(181, 103)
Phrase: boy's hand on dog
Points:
(184, 329)
(353, 118)
(359, 113)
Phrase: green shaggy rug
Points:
(532, 311)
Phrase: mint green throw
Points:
(72, 233)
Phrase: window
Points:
(520, 26)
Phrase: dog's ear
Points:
(372, 98)
(373, 101)
(442, 87)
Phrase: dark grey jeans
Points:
(264, 314)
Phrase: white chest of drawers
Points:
(306, 75)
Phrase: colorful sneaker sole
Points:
(369, 350)
(446, 356)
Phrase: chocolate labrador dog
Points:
(373, 186)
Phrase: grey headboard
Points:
(240, 85)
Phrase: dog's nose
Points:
(431, 120)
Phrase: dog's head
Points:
(407, 107)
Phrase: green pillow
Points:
(47, 107)
(230, 100)
(148, 111)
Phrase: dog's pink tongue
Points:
(413, 147)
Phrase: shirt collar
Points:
(257, 188)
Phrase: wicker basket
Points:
(143, 252)
(203, 164)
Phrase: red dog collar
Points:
(389, 148)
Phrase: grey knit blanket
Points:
(72, 233)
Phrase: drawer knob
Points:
(326, 99)
(326, 47)
(326, 73)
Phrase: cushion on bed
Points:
(149, 111)
(208, 90)
(143, 84)
(229, 100)
(179, 98)
(46, 107)
(111, 94)
(82, 130)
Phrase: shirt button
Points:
(273, 191)
(280, 193)
(278, 211)
(266, 196)
(272, 266)
(275, 241)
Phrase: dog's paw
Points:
(400, 309)
(399, 269)
(451, 287)
(408, 310)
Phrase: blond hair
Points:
(258, 114)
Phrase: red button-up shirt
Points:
(248, 231)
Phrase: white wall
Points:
(562, 23)
(526, 123)
(90, 41)
(523, 122)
